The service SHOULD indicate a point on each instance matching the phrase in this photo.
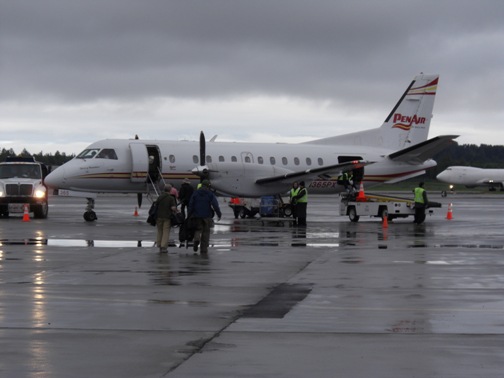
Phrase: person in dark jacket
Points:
(166, 206)
(202, 206)
(185, 193)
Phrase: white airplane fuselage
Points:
(472, 176)
(235, 166)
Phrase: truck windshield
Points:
(20, 171)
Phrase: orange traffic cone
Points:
(361, 197)
(385, 222)
(26, 215)
(449, 214)
(135, 214)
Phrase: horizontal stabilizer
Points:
(423, 151)
(334, 170)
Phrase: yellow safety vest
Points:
(304, 199)
(419, 198)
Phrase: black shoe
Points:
(195, 246)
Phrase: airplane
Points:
(395, 151)
(472, 177)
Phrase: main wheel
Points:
(352, 214)
(90, 216)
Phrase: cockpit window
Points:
(107, 153)
(88, 153)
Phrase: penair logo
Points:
(405, 122)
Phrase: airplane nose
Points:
(56, 178)
(441, 176)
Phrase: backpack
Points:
(151, 219)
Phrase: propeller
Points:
(202, 149)
(139, 199)
(202, 170)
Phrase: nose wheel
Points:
(89, 214)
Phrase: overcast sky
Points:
(76, 71)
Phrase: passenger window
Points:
(107, 153)
(208, 159)
(296, 161)
(221, 158)
(260, 160)
(320, 161)
(284, 161)
(172, 158)
(247, 159)
(272, 160)
(234, 159)
(308, 161)
(195, 159)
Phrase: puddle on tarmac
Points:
(78, 242)
(141, 243)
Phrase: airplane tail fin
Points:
(406, 125)
(409, 121)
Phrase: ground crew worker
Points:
(346, 180)
(293, 202)
(301, 204)
(421, 203)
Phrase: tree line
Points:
(482, 156)
(48, 159)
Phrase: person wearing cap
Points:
(301, 200)
(202, 206)
(166, 206)
(185, 193)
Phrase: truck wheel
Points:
(41, 211)
(352, 214)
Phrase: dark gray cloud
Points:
(353, 54)
(134, 49)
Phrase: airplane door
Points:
(139, 162)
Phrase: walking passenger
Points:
(166, 206)
(202, 206)
(185, 193)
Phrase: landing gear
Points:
(89, 214)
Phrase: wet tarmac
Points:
(334, 299)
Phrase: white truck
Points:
(22, 183)
(380, 206)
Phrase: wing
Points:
(423, 151)
(321, 172)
